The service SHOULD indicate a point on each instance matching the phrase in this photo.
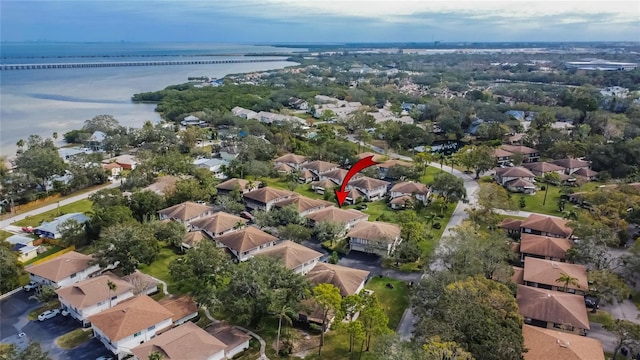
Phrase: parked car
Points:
(48, 314)
(246, 215)
(64, 312)
(592, 302)
(30, 286)
(27, 229)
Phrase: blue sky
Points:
(275, 21)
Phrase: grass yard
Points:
(601, 317)
(53, 304)
(160, 268)
(534, 202)
(4, 235)
(51, 249)
(394, 301)
(81, 206)
(429, 174)
(74, 338)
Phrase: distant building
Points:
(602, 65)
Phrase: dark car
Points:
(592, 302)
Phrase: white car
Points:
(30, 286)
(64, 312)
(48, 314)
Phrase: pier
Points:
(5, 67)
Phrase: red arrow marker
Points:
(356, 168)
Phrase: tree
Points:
(73, 233)
(46, 293)
(40, 161)
(567, 280)
(477, 313)
(10, 268)
(391, 347)
(33, 351)
(445, 350)
(480, 158)
(328, 298)
(490, 197)
(112, 287)
(627, 332)
(295, 232)
(109, 216)
(285, 312)
(105, 123)
(156, 355)
(608, 286)
(329, 231)
(373, 318)
(450, 188)
(593, 247)
(229, 205)
(549, 178)
(171, 232)
(631, 264)
(129, 244)
(145, 205)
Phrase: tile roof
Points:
(187, 341)
(375, 231)
(267, 194)
(552, 306)
(93, 290)
(586, 172)
(336, 215)
(306, 174)
(185, 211)
(520, 182)
(110, 166)
(410, 187)
(367, 183)
(519, 149)
(193, 238)
(291, 159)
(218, 222)
(510, 224)
(231, 183)
(547, 272)
(319, 166)
(325, 184)
(62, 266)
(163, 185)
(180, 306)
(544, 245)
(227, 334)
(518, 273)
(337, 174)
(542, 166)
(346, 279)
(547, 224)
(129, 317)
(551, 344)
(245, 239)
(401, 200)
(571, 163)
(292, 254)
(515, 171)
(283, 168)
(303, 203)
(501, 153)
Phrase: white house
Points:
(24, 246)
(53, 229)
(409, 188)
(130, 323)
(294, 256)
(93, 295)
(64, 270)
(187, 341)
(247, 242)
(372, 189)
(213, 165)
(244, 113)
(236, 341)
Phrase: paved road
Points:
(9, 221)
(625, 310)
(608, 341)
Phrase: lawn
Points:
(160, 268)
(51, 249)
(4, 234)
(601, 317)
(74, 338)
(53, 304)
(394, 301)
(429, 174)
(81, 206)
(534, 202)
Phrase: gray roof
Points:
(19, 239)
(52, 227)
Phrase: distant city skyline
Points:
(307, 21)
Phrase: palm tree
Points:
(286, 313)
(441, 158)
(570, 215)
(112, 287)
(549, 178)
(567, 280)
(20, 143)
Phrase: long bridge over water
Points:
(129, 63)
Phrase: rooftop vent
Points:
(562, 343)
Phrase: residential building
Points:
(96, 140)
(544, 247)
(305, 176)
(141, 283)
(247, 242)
(372, 189)
(244, 113)
(241, 185)
(284, 168)
(349, 281)
(71, 153)
(293, 160)
(571, 165)
(551, 344)
(586, 173)
(529, 154)
(24, 246)
(185, 212)
(544, 273)
(53, 229)
(294, 256)
(601, 65)
(128, 162)
(192, 121)
(321, 186)
(546, 226)
(187, 341)
(348, 217)
(299, 104)
(182, 307)
(336, 175)
(540, 168)
(384, 166)
(193, 238)
(377, 237)
(518, 275)
(229, 153)
(553, 309)
(303, 204)
(163, 185)
(265, 198)
(318, 167)
(517, 179)
(409, 188)
(130, 323)
(214, 165)
(63, 270)
(235, 341)
(503, 157)
(402, 202)
(113, 169)
(219, 223)
(93, 295)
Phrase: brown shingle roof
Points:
(544, 245)
(375, 231)
(552, 306)
(401, 200)
(303, 203)
(185, 211)
(571, 163)
(267, 194)
(218, 223)
(367, 183)
(245, 239)
(291, 159)
(291, 254)
(163, 185)
(62, 266)
(346, 279)
(586, 172)
(325, 184)
(180, 306)
(284, 168)
(410, 187)
(547, 224)
(338, 174)
(542, 167)
(231, 183)
(129, 317)
(110, 166)
(519, 149)
(518, 273)
(320, 166)
(550, 344)
(306, 174)
(228, 334)
(193, 238)
(501, 153)
(93, 290)
(547, 272)
(510, 224)
(394, 162)
(187, 341)
(520, 183)
(336, 215)
(516, 171)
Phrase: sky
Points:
(317, 21)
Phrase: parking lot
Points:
(14, 321)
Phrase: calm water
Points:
(58, 100)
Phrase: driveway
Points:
(608, 341)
